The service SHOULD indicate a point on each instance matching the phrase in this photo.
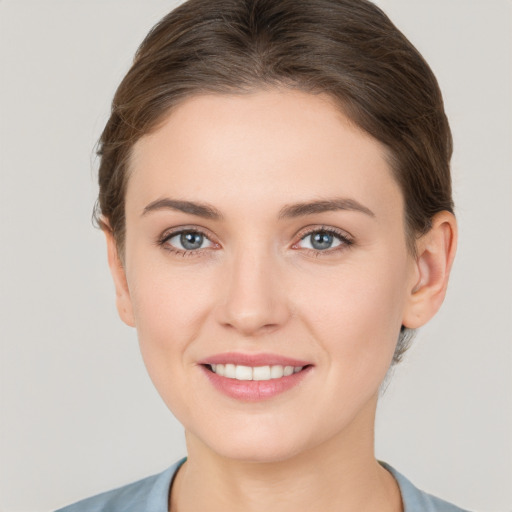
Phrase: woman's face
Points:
(265, 231)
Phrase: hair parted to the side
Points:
(347, 49)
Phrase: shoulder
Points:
(149, 494)
(415, 500)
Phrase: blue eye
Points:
(188, 241)
(322, 240)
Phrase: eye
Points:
(186, 241)
(323, 240)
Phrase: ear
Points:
(435, 254)
(123, 299)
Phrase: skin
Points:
(258, 285)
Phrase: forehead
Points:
(283, 145)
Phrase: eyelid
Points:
(172, 232)
(346, 238)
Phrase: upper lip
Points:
(263, 359)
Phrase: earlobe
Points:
(435, 254)
(123, 299)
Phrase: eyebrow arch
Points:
(200, 209)
(326, 205)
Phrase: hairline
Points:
(337, 103)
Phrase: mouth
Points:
(254, 373)
(254, 377)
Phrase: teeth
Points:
(230, 371)
(276, 372)
(261, 373)
(240, 372)
(243, 372)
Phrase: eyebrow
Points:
(289, 211)
(326, 205)
(200, 209)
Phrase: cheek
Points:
(356, 312)
(168, 306)
(357, 323)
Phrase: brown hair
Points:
(348, 49)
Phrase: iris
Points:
(191, 241)
(321, 240)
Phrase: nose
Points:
(255, 300)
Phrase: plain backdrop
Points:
(78, 413)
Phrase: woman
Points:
(275, 194)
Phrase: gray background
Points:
(78, 413)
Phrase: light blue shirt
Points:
(152, 494)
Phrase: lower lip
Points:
(254, 390)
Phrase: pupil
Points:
(191, 240)
(321, 240)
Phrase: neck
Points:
(338, 475)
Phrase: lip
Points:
(254, 390)
(263, 359)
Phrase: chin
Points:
(256, 453)
(254, 445)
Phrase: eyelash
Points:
(162, 242)
(345, 239)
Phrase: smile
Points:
(254, 377)
(241, 372)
